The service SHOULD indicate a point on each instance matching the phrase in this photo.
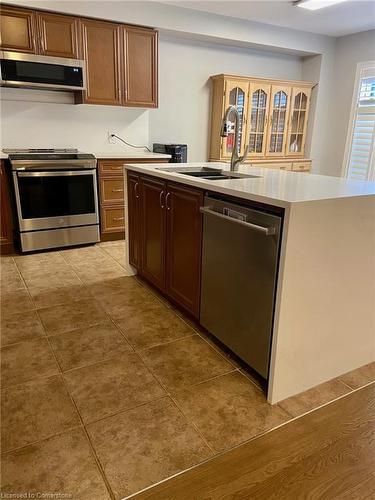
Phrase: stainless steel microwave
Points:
(43, 72)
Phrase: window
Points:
(359, 162)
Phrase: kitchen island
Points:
(324, 308)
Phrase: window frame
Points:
(361, 68)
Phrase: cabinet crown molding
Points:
(274, 81)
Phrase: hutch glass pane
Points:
(236, 98)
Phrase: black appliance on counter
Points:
(178, 152)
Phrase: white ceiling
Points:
(348, 17)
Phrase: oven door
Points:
(56, 199)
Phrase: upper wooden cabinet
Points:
(29, 31)
(18, 30)
(273, 116)
(140, 52)
(121, 60)
(58, 35)
(121, 64)
(101, 51)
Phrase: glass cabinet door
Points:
(259, 97)
(298, 121)
(236, 95)
(279, 110)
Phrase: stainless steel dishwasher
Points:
(239, 276)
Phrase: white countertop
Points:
(142, 155)
(275, 187)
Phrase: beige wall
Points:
(349, 51)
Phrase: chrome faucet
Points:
(235, 159)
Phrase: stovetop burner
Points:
(39, 150)
(45, 156)
(22, 159)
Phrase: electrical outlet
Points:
(110, 138)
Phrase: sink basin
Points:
(208, 173)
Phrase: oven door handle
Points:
(60, 173)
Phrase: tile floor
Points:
(106, 389)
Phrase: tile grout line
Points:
(222, 453)
(344, 383)
(168, 394)
(93, 452)
(45, 438)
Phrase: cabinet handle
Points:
(119, 94)
(117, 190)
(114, 168)
(161, 198)
(136, 190)
(166, 201)
(117, 219)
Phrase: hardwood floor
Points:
(326, 454)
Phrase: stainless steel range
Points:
(56, 197)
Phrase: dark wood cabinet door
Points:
(184, 243)
(134, 221)
(153, 226)
(101, 48)
(6, 225)
(58, 35)
(17, 30)
(141, 73)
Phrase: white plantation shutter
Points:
(361, 157)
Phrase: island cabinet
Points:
(30, 31)
(165, 237)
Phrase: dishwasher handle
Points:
(267, 231)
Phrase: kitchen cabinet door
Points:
(58, 35)
(278, 126)
(184, 242)
(258, 106)
(6, 226)
(153, 230)
(101, 48)
(300, 102)
(134, 221)
(18, 30)
(235, 94)
(141, 72)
